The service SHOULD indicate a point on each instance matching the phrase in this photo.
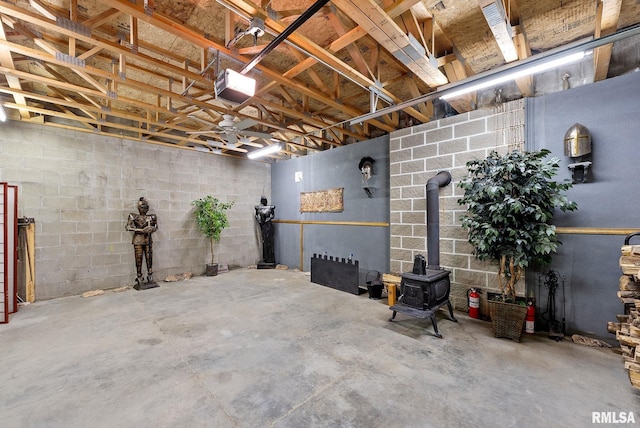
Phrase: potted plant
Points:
(211, 219)
(510, 202)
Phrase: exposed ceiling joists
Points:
(525, 84)
(6, 60)
(456, 72)
(404, 47)
(607, 18)
(500, 25)
(146, 70)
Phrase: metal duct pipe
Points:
(441, 179)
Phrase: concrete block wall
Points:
(420, 152)
(80, 188)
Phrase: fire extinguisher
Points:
(531, 318)
(473, 297)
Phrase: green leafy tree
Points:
(511, 201)
(211, 218)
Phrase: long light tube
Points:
(273, 148)
(527, 71)
(3, 114)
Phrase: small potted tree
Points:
(511, 200)
(211, 219)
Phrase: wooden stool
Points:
(391, 283)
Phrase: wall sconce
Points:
(577, 145)
(366, 169)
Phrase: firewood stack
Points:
(627, 328)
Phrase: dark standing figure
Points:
(143, 225)
(264, 215)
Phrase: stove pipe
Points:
(441, 179)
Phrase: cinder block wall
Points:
(420, 152)
(80, 187)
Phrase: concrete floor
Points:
(257, 348)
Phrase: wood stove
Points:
(425, 290)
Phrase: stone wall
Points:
(80, 187)
(420, 152)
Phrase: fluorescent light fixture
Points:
(3, 114)
(273, 148)
(526, 71)
(235, 87)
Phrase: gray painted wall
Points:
(611, 111)
(80, 187)
(326, 170)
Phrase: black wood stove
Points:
(425, 290)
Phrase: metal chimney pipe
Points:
(441, 179)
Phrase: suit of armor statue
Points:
(143, 225)
(264, 214)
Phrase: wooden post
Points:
(301, 247)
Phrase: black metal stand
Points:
(145, 285)
(556, 329)
(423, 314)
(263, 265)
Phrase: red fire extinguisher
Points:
(531, 318)
(473, 298)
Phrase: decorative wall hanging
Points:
(323, 201)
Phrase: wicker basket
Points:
(507, 319)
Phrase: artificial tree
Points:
(511, 200)
(211, 219)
